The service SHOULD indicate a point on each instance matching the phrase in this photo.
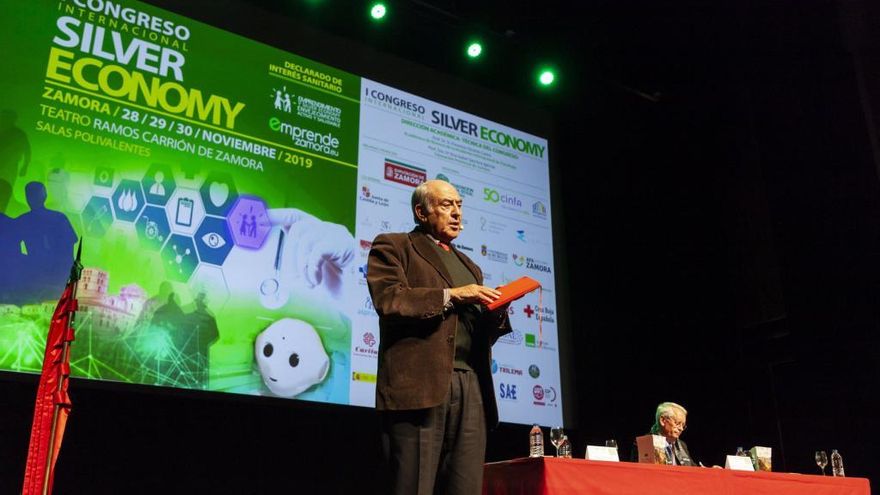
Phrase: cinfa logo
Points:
(493, 196)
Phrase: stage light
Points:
(378, 11)
(474, 50)
(546, 77)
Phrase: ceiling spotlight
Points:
(546, 77)
(474, 50)
(378, 11)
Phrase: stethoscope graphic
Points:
(273, 295)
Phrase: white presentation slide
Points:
(502, 175)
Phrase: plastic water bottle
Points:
(536, 442)
(837, 464)
(565, 447)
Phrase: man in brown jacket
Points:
(434, 386)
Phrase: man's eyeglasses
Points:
(676, 424)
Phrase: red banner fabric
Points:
(51, 394)
(551, 476)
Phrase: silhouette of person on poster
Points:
(169, 315)
(154, 303)
(14, 148)
(10, 246)
(49, 240)
(191, 334)
(202, 328)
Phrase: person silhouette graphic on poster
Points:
(165, 327)
(49, 240)
(244, 228)
(15, 148)
(154, 303)
(202, 328)
(10, 247)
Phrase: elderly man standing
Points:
(434, 385)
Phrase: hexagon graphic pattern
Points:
(128, 200)
(152, 228)
(158, 184)
(218, 193)
(248, 222)
(213, 241)
(179, 258)
(185, 211)
(97, 216)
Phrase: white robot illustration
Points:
(291, 357)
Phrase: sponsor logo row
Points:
(541, 395)
(508, 369)
(411, 175)
(531, 340)
(539, 313)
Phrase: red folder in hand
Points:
(513, 291)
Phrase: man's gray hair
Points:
(420, 196)
(665, 410)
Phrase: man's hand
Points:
(473, 294)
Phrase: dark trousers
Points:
(438, 450)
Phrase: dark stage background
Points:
(719, 176)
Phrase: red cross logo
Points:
(528, 310)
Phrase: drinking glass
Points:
(555, 437)
(821, 460)
(611, 443)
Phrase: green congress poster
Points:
(212, 180)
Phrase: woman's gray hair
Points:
(665, 410)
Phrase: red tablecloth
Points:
(549, 476)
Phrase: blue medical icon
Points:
(128, 200)
(158, 184)
(179, 258)
(213, 241)
(152, 228)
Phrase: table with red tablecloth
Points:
(551, 476)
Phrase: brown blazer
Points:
(417, 345)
